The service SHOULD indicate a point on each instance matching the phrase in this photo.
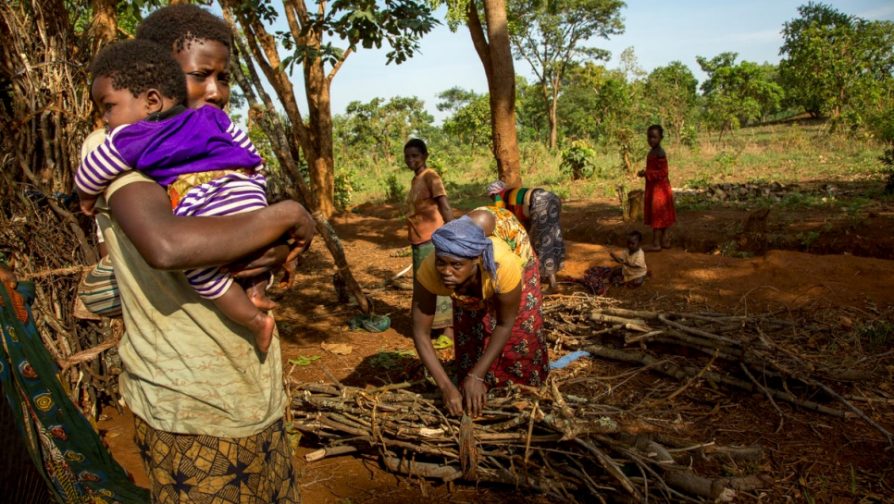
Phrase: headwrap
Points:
(496, 188)
(463, 238)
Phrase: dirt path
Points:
(311, 315)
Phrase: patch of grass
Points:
(731, 249)
(391, 359)
(700, 181)
(876, 335)
(781, 153)
(805, 200)
(807, 239)
(692, 202)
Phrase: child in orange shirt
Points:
(427, 210)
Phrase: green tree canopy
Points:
(469, 122)
(737, 93)
(671, 94)
(552, 35)
(837, 65)
(382, 126)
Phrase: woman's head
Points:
(654, 134)
(200, 42)
(458, 246)
(415, 154)
(133, 79)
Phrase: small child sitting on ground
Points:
(631, 273)
(208, 166)
(633, 262)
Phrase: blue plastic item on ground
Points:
(563, 361)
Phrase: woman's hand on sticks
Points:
(453, 399)
(474, 394)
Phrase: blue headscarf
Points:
(463, 238)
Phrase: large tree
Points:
(353, 24)
(835, 64)
(671, 93)
(399, 23)
(488, 26)
(737, 93)
(551, 35)
(381, 126)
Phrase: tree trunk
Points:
(285, 138)
(104, 25)
(496, 56)
(319, 158)
(553, 106)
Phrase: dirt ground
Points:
(834, 460)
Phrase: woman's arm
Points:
(474, 390)
(444, 208)
(168, 242)
(423, 315)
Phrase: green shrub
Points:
(578, 160)
(345, 185)
(394, 191)
(725, 161)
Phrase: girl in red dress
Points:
(658, 207)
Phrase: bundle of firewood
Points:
(565, 446)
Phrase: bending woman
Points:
(538, 210)
(497, 317)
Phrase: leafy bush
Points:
(345, 185)
(725, 161)
(689, 137)
(394, 191)
(578, 160)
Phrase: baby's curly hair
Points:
(176, 26)
(140, 65)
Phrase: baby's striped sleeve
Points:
(100, 167)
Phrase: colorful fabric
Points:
(98, 290)
(508, 277)
(511, 231)
(186, 367)
(233, 193)
(464, 239)
(63, 445)
(524, 359)
(177, 142)
(599, 278)
(658, 200)
(423, 214)
(256, 469)
(443, 304)
(517, 201)
(546, 231)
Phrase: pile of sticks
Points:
(755, 354)
(567, 447)
(45, 115)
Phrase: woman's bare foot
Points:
(652, 248)
(262, 326)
